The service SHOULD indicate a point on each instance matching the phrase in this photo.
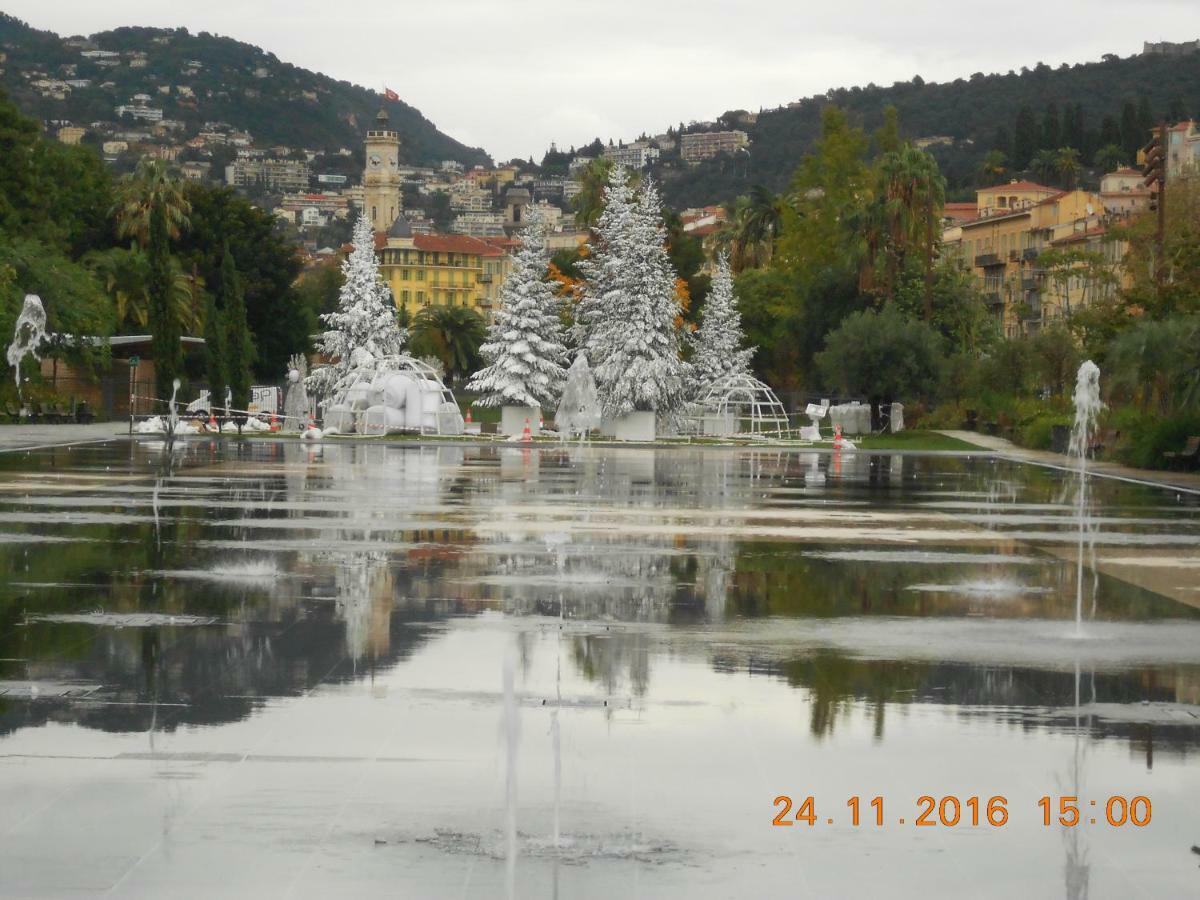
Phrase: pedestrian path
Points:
(1185, 481)
(27, 437)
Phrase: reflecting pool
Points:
(273, 669)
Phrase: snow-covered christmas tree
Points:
(717, 344)
(362, 333)
(629, 323)
(524, 350)
(602, 267)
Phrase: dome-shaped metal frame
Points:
(742, 406)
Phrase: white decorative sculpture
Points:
(295, 402)
(28, 335)
(816, 412)
(579, 407)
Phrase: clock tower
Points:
(381, 178)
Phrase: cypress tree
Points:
(1110, 133)
(164, 321)
(239, 352)
(1051, 136)
(214, 354)
(1131, 135)
(1145, 119)
(1025, 138)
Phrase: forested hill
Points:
(970, 111)
(225, 81)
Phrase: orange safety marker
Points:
(468, 419)
(526, 435)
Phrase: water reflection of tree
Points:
(614, 659)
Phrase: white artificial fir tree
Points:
(717, 344)
(635, 347)
(602, 267)
(524, 350)
(362, 333)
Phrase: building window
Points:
(404, 274)
(373, 216)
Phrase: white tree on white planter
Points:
(634, 343)
(362, 333)
(717, 344)
(524, 350)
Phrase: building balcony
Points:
(993, 298)
(1029, 254)
(484, 278)
(1031, 283)
(988, 259)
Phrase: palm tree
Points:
(453, 334)
(993, 167)
(752, 222)
(123, 273)
(140, 192)
(903, 219)
(1045, 164)
(1067, 166)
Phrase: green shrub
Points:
(1155, 436)
(1037, 433)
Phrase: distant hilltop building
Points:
(703, 145)
(1168, 48)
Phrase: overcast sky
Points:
(513, 75)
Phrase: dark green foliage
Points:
(214, 351)
(963, 109)
(883, 355)
(267, 266)
(164, 319)
(1131, 132)
(73, 300)
(1051, 138)
(1026, 138)
(1156, 435)
(239, 351)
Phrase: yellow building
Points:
(440, 270)
(1016, 224)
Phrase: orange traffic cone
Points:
(526, 435)
(274, 422)
(212, 421)
(468, 419)
(837, 437)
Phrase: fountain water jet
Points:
(28, 335)
(512, 737)
(1087, 407)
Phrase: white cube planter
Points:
(634, 426)
(721, 424)
(513, 418)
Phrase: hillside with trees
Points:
(995, 124)
(226, 80)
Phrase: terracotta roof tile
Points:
(1023, 186)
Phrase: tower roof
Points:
(381, 119)
(400, 228)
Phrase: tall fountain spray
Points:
(1087, 407)
(28, 336)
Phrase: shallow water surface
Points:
(268, 669)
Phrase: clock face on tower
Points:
(375, 161)
(392, 161)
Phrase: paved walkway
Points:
(24, 437)
(1185, 481)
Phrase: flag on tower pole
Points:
(390, 94)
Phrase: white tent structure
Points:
(741, 405)
(401, 394)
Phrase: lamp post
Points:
(133, 364)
